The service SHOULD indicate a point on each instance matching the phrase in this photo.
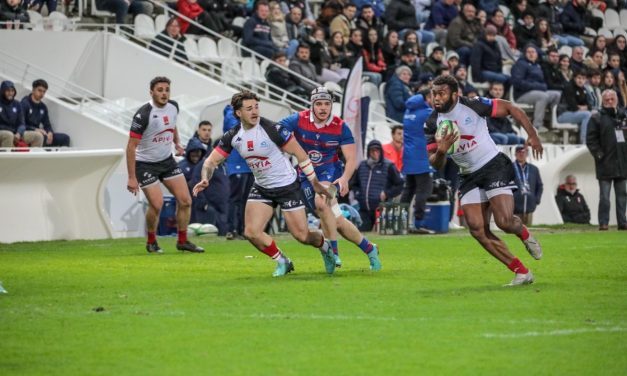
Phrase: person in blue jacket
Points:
(377, 180)
(256, 34)
(416, 168)
(397, 92)
(240, 181)
(12, 126)
(194, 153)
(36, 115)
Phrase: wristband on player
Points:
(307, 169)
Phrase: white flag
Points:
(351, 106)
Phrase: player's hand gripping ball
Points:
(448, 127)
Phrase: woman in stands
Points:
(337, 48)
(374, 63)
(170, 39)
(619, 46)
(391, 49)
(565, 70)
(544, 35)
(326, 68)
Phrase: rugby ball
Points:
(198, 229)
(446, 127)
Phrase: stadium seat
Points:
(36, 20)
(605, 32)
(598, 14)
(95, 12)
(526, 107)
(618, 32)
(160, 22)
(623, 18)
(566, 50)
(612, 20)
(368, 89)
(239, 21)
(232, 73)
(208, 50)
(252, 73)
(376, 112)
(58, 21)
(382, 90)
(481, 86)
(430, 48)
(144, 27)
(191, 49)
(265, 63)
(228, 50)
(564, 127)
(333, 87)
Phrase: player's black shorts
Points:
(289, 197)
(498, 173)
(149, 173)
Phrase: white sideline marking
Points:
(558, 332)
(314, 316)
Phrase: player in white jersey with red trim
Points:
(262, 143)
(487, 176)
(149, 160)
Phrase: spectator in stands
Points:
(302, 66)
(391, 49)
(422, 10)
(14, 14)
(482, 16)
(577, 58)
(328, 11)
(416, 169)
(344, 22)
(500, 128)
(397, 91)
(376, 180)
(354, 47)
(224, 11)
(368, 20)
(442, 13)
(517, 9)
(486, 60)
(608, 82)
(240, 181)
(566, 69)
(210, 205)
(619, 46)
(410, 36)
(505, 38)
(613, 63)
(529, 193)
(545, 37)
(452, 60)
(320, 56)
(462, 77)
(551, 10)
(278, 31)
(463, 32)
(194, 152)
(283, 79)
(530, 86)
(594, 60)
(607, 132)
(573, 19)
(374, 63)
(193, 10)
(36, 116)
(203, 134)
(622, 88)
(571, 203)
(304, 9)
(573, 107)
(170, 39)
(122, 8)
(434, 63)
(400, 15)
(338, 51)
(599, 43)
(593, 91)
(551, 70)
(409, 53)
(257, 35)
(12, 125)
(393, 151)
(526, 32)
(295, 25)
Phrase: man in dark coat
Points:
(571, 203)
(530, 186)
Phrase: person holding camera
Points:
(607, 132)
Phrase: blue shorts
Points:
(329, 172)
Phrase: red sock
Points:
(152, 237)
(272, 251)
(517, 267)
(182, 236)
(524, 234)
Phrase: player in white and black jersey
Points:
(149, 160)
(487, 176)
(262, 143)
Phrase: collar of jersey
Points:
(320, 126)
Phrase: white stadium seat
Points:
(144, 27)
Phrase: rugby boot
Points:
(338, 261)
(283, 268)
(373, 256)
(522, 279)
(533, 247)
(153, 248)
(189, 247)
(328, 257)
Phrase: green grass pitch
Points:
(437, 308)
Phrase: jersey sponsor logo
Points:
(165, 135)
(468, 120)
(315, 156)
(249, 145)
(264, 144)
(332, 143)
(257, 162)
(469, 144)
(166, 120)
(138, 116)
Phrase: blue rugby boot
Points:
(373, 256)
(283, 268)
(328, 257)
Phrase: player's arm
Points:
(180, 150)
(132, 185)
(292, 147)
(504, 108)
(437, 155)
(208, 167)
(350, 156)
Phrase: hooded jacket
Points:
(370, 181)
(527, 76)
(186, 164)
(415, 157)
(572, 206)
(11, 115)
(13, 13)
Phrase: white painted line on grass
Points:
(558, 332)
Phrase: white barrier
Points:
(55, 195)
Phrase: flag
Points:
(351, 106)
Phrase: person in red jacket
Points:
(193, 10)
(374, 63)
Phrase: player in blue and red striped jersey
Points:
(321, 134)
